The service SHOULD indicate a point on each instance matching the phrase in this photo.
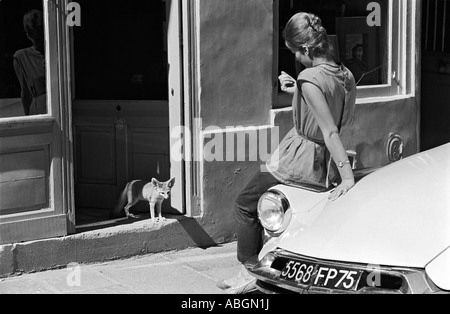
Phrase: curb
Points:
(118, 242)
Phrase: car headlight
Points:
(274, 212)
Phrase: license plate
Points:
(320, 275)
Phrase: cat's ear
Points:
(155, 182)
(171, 183)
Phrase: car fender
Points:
(439, 270)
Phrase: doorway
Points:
(120, 106)
(435, 110)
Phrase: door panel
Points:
(33, 229)
(149, 152)
(31, 205)
(35, 196)
(96, 155)
(96, 158)
(26, 171)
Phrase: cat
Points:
(153, 192)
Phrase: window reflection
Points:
(361, 47)
(357, 63)
(22, 59)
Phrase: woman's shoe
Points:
(244, 288)
(237, 280)
(223, 285)
(242, 283)
(230, 282)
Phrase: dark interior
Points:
(120, 50)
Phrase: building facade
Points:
(188, 89)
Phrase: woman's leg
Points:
(249, 230)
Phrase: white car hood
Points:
(397, 216)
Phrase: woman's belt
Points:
(318, 142)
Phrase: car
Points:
(390, 234)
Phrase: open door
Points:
(121, 112)
(35, 159)
(178, 114)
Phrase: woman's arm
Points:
(318, 104)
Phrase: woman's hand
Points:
(287, 83)
(342, 189)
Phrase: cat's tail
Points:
(120, 203)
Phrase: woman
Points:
(324, 99)
(29, 65)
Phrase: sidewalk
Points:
(96, 244)
(190, 271)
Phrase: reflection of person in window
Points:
(357, 65)
(29, 65)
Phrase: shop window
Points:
(23, 85)
(377, 53)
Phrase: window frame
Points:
(401, 57)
